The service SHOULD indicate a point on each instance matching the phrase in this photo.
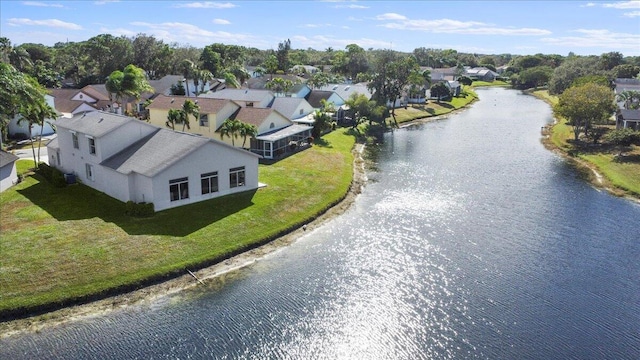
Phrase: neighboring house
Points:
(455, 87)
(481, 73)
(622, 85)
(300, 90)
(315, 97)
(304, 69)
(261, 83)
(292, 107)
(243, 97)
(8, 172)
(213, 112)
(277, 135)
(74, 101)
(132, 160)
(19, 128)
(346, 90)
(626, 118)
(439, 74)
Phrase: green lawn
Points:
(65, 244)
(433, 108)
(622, 174)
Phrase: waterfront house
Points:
(213, 112)
(8, 172)
(132, 160)
(628, 118)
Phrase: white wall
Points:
(8, 176)
(209, 158)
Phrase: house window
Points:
(204, 120)
(89, 170)
(249, 104)
(209, 182)
(74, 136)
(92, 146)
(236, 176)
(272, 125)
(301, 111)
(179, 189)
(58, 157)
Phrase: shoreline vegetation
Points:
(599, 166)
(83, 258)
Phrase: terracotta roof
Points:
(63, 103)
(96, 91)
(207, 105)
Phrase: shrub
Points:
(139, 209)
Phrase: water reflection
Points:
(471, 241)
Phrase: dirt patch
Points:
(213, 275)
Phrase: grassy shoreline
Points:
(63, 247)
(599, 166)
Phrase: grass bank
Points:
(621, 175)
(71, 245)
(433, 108)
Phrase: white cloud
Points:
(315, 26)
(623, 5)
(41, 4)
(391, 16)
(104, 2)
(323, 42)
(186, 33)
(632, 14)
(604, 39)
(47, 22)
(351, 6)
(206, 5)
(462, 27)
(221, 21)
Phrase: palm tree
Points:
(631, 99)
(248, 131)
(189, 108)
(206, 76)
(279, 85)
(35, 113)
(230, 128)
(186, 67)
(173, 118)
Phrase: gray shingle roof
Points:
(7, 158)
(239, 94)
(93, 123)
(287, 106)
(154, 153)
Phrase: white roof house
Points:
(132, 160)
(243, 97)
(292, 107)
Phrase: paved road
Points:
(27, 153)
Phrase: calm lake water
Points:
(471, 241)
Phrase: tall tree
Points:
(187, 68)
(440, 91)
(35, 113)
(230, 128)
(279, 85)
(247, 131)
(586, 105)
(131, 82)
(283, 55)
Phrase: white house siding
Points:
(23, 128)
(122, 137)
(208, 158)
(8, 176)
(111, 183)
(278, 121)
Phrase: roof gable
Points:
(7, 158)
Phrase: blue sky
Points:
(484, 27)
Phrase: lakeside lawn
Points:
(59, 245)
(621, 172)
(433, 108)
